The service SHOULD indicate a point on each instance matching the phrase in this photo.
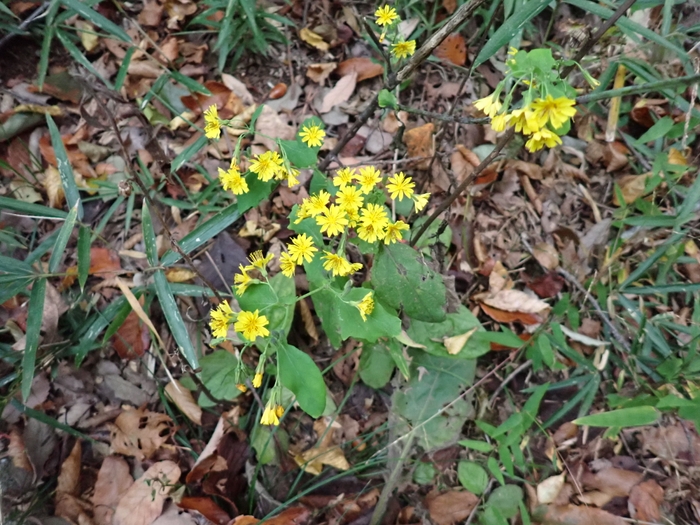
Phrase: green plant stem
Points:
(391, 483)
(641, 88)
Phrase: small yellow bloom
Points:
(393, 232)
(490, 105)
(366, 306)
(242, 387)
(498, 123)
(403, 49)
(287, 265)
(369, 178)
(512, 51)
(269, 416)
(268, 165)
(317, 203)
(312, 136)
(542, 138)
(302, 249)
(291, 177)
(333, 220)
(400, 186)
(258, 261)
(212, 125)
(386, 15)
(252, 325)
(232, 179)
(279, 410)
(375, 215)
(524, 121)
(243, 280)
(257, 380)
(221, 318)
(371, 233)
(556, 111)
(339, 265)
(419, 201)
(344, 177)
(350, 199)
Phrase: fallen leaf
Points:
(632, 187)
(320, 72)
(644, 501)
(678, 443)
(270, 126)
(610, 480)
(113, 480)
(150, 14)
(548, 490)
(595, 497)
(455, 343)
(139, 433)
(207, 507)
(179, 275)
(419, 143)
(450, 507)
(17, 452)
(547, 285)
(88, 37)
(137, 308)
(453, 49)
(363, 66)
(313, 39)
(546, 255)
(54, 187)
(70, 472)
(574, 515)
(326, 452)
(676, 157)
(184, 401)
(515, 301)
(565, 432)
(290, 516)
(615, 156)
(143, 501)
(308, 319)
(504, 316)
(342, 91)
(133, 337)
(104, 262)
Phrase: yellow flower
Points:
(231, 179)
(269, 416)
(339, 265)
(371, 233)
(267, 165)
(374, 214)
(498, 123)
(291, 176)
(524, 121)
(556, 111)
(287, 265)
(393, 232)
(541, 138)
(344, 177)
(312, 136)
(318, 203)
(258, 261)
(279, 410)
(257, 380)
(366, 306)
(419, 201)
(386, 15)
(333, 220)
(220, 319)
(403, 49)
(252, 325)
(489, 105)
(369, 178)
(243, 280)
(400, 186)
(349, 198)
(301, 249)
(212, 126)
(242, 387)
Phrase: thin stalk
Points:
(391, 483)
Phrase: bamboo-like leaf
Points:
(83, 255)
(30, 208)
(149, 236)
(62, 239)
(64, 167)
(174, 319)
(35, 315)
(97, 19)
(124, 68)
(622, 418)
(189, 152)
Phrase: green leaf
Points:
(189, 152)
(277, 304)
(29, 208)
(62, 239)
(64, 168)
(14, 266)
(376, 364)
(174, 319)
(265, 445)
(660, 128)
(509, 29)
(298, 372)
(432, 334)
(472, 476)
(188, 82)
(35, 315)
(424, 473)
(149, 236)
(506, 500)
(403, 280)
(494, 469)
(481, 446)
(83, 255)
(97, 19)
(400, 358)
(622, 418)
(79, 57)
(218, 371)
(258, 191)
(387, 99)
(124, 68)
(300, 155)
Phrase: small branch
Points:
(391, 483)
(444, 117)
(38, 12)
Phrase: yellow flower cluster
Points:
(535, 120)
(386, 18)
(249, 324)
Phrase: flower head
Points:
(242, 387)
(386, 15)
(243, 280)
(287, 264)
(212, 125)
(220, 319)
(366, 306)
(524, 121)
(344, 177)
(369, 178)
(339, 265)
(312, 136)
(403, 49)
(317, 203)
(393, 232)
(231, 179)
(279, 410)
(252, 325)
(269, 416)
(349, 198)
(543, 137)
(556, 111)
(489, 105)
(499, 122)
(419, 201)
(268, 165)
(291, 176)
(257, 380)
(400, 186)
(333, 220)
(258, 261)
(302, 249)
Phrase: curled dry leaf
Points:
(565, 432)
(207, 507)
(308, 319)
(503, 316)
(515, 301)
(290, 516)
(453, 49)
(450, 507)
(326, 452)
(455, 344)
(179, 275)
(104, 262)
(644, 501)
(320, 72)
(184, 401)
(548, 490)
(113, 480)
(363, 66)
(419, 143)
(139, 433)
(143, 501)
(547, 285)
(546, 255)
(70, 473)
(133, 337)
(342, 91)
(632, 187)
(313, 39)
(678, 443)
(54, 187)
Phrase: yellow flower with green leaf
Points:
(403, 49)
(366, 306)
(232, 180)
(221, 318)
(555, 111)
(344, 177)
(540, 139)
(251, 325)
(490, 105)
(302, 249)
(333, 220)
(312, 136)
(350, 199)
(386, 15)
(268, 165)
(287, 264)
(420, 201)
(400, 186)
(269, 416)
(393, 231)
(369, 177)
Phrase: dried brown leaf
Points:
(547, 285)
(308, 319)
(631, 186)
(70, 472)
(139, 433)
(503, 316)
(644, 501)
(612, 481)
(548, 490)
(453, 49)
(184, 401)
(419, 143)
(320, 72)
(340, 93)
(574, 515)
(143, 501)
(450, 507)
(150, 14)
(113, 480)
(54, 187)
(207, 507)
(313, 39)
(363, 66)
(678, 443)
(449, 5)
(515, 301)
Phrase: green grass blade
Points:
(97, 19)
(687, 210)
(40, 416)
(189, 152)
(35, 315)
(189, 83)
(30, 208)
(45, 52)
(651, 261)
(149, 236)
(623, 418)
(62, 239)
(123, 69)
(509, 28)
(80, 58)
(174, 319)
(14, 266)
(64, 167)
(225, 31)
(8, 291)
(83, 255)
(663, 289)
(203, 233)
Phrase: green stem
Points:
(641, 88)
(391, 483)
